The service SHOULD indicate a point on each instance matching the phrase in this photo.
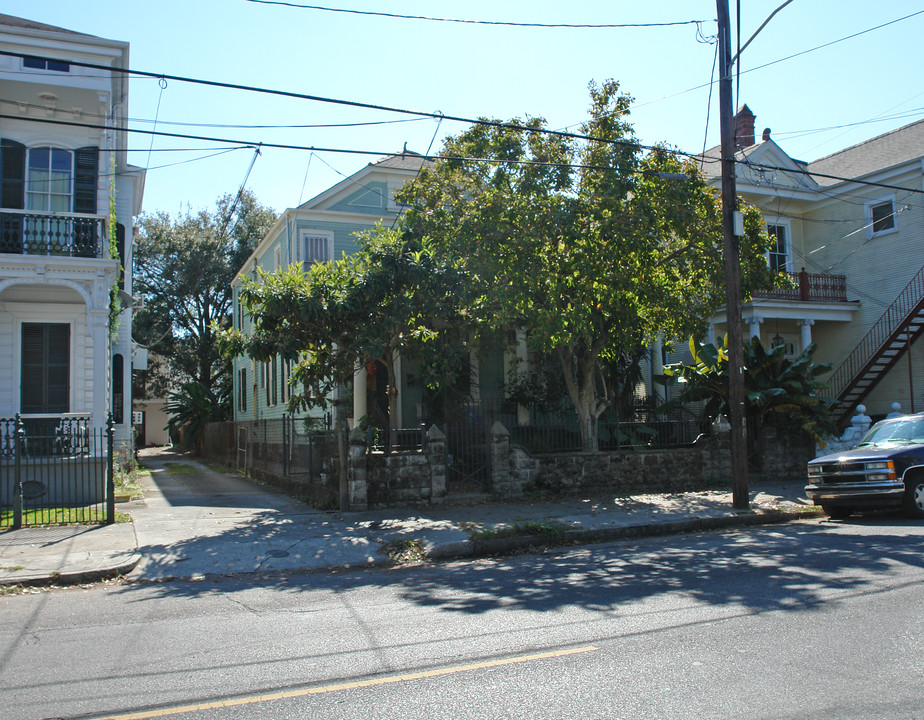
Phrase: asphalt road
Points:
(809, 620)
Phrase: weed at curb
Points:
(551, 531)
(404, 551)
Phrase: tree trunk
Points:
(583, 394)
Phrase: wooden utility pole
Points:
(736, 409)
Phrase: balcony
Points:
(810, 287)
(53, 234)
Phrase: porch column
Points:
(657, 368)
(755, 327)
(806, 327)
(98, 323)
(360, 406)
(522, 367)
(475, 379)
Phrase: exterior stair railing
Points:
(888, 339)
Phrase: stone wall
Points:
(378, 480)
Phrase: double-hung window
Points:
(779, 257)
(50, 178)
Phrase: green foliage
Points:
(391, 296)
(191, 408)
(582, 245)
(183, 270)
(780, 393)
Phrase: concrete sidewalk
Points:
(194, 522)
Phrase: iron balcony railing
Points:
(24, 232)
(810, 287)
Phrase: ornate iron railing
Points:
(64, 234)
(810, 287)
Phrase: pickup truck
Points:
(885, 470)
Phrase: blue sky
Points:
(815, 103)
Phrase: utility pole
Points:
(736, 410)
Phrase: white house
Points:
(849, 229)
(68, 200)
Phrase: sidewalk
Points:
(194, 522)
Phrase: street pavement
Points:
(195, 521)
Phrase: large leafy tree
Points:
(593, 247)
(390, 297)
(183, 269)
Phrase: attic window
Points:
(883, 217)
(35, 63)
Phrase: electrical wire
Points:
(398, 16)
(380, 153)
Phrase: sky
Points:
(815, 99)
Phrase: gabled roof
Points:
(11, 21)
(878, 153)
(404, 161)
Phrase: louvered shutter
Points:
(86, 168)
(46, 368)
(13, 163)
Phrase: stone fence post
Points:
(357, 487)
(436, 458)
(503, 480)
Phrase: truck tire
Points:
(913, 501)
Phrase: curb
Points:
(507, 545)
(75, 577)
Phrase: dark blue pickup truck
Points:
(885, 470)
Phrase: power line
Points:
(380, 153)
(398, 16)
(329, 100)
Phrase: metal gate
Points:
(468, 459)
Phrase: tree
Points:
(183, 270)
(787, 395)
(586, 246)
(390, 297)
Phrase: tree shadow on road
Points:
(787, 568)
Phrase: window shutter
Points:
(86, 167)
(46, 367)
(13, 161)
(120, 244)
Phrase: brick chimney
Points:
(744, 127)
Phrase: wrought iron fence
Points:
(55, 470)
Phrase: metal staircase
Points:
(900, 325)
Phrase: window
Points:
(778, 256)
(285, 389)
(46, 368)
(315, 249)
(35, 63)
(49, 180)
(272, 383)
(882, 217)
(242, 389)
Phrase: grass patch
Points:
(181, 469)
(129, 482)
(59, 516)
(552, 531)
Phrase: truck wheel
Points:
(836, 512)
(913, 502)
